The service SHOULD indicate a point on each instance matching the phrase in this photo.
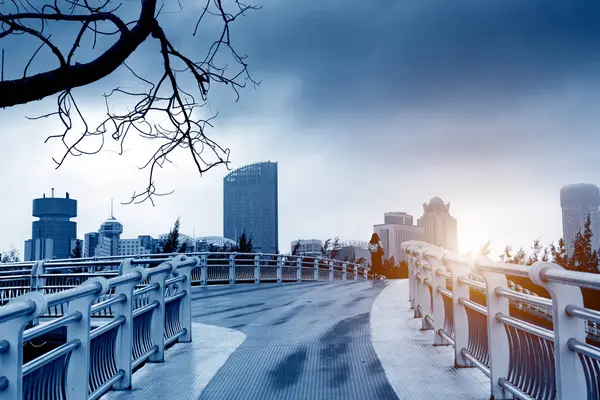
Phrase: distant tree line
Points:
(584, 259)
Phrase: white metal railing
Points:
(98, 353)
(49, 276)
(466, 302)
(119, 313)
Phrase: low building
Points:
(307, 247)
(397, 228)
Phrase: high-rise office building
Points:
(397, 228)
(577, 202)
(90, 243)
(250, 205)
(439, 226)
(54, 235)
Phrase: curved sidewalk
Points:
(413, 366)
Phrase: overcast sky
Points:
(368, 107)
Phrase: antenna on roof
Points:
(52, 192)
(111, 208)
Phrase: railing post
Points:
(411, 280)
(356, 272)
(498, 345)
(437, 300)
(157, 328)
(570, 377)
(331, 276)
(461, 321)
(299, 269)
(418, 289)
(232, 268)
(316, 271)
(185, 308)
(257, 268)
(366, 274)
(11, 343)
(204, 269)
(426, 294)
(124, 341)
(279, 269)
(78, 371)
(345, 274)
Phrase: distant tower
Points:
(250, 204)
(54, 235)
(109, 236)
(439, 226)
(577, 202)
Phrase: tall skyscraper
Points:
(396, 229)
(250, 204)
(439, 226)
(577, 202)
(108, 236)
(54, 235)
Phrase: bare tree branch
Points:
(163, 99)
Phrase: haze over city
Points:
(385, 132)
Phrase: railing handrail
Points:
(521, 355)
(152, 259)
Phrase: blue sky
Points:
(368, 107)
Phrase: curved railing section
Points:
(471, 305)
(214, 268)
(115, 314)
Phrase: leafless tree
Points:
(165, 109)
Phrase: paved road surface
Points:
(306, 341)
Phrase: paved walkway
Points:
(342, 340)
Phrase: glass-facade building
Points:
(577, 202)
(54, 235)
(250, 204)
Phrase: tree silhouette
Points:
(77, 251)
(12, 255)
(170, 244)
(164, 108)
(585, 258)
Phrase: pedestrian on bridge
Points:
(377, 253)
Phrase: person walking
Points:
(377, 253)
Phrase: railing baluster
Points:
(279, 269)
(185, 309)
(331, 277)
(124, 342)
(157, 329)
(204, 269)
(570, 376)
(232, 268)
(299, 269)
(437, 300)
(28, 306)
(257, 268)
(461, 321)
(498, 344)
(78, 371)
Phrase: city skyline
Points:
(497, 123)
(188, 226)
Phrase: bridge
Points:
(255, 326)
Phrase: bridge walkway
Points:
(343, 340)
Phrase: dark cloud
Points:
(372, 54)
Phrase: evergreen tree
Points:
(11, 256)
(244, 244)
(171, 243)
(585, 259)
(558, 254)
(77, 251)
